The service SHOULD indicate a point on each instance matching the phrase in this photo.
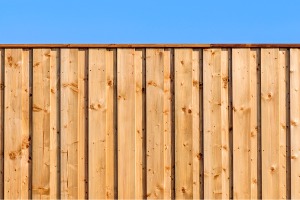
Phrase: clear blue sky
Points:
(149, 21)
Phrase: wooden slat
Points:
(131, 124)
(273, 116)
(16, 125)
(2, 75)
(111, 138)
(45, 140)
(54, 125)
(82, 124)
(101, 124)
(97, 123)
(140, 123)
(294, 122)
(69, 110)
(72, 124)
(245, 149)
(216, 123)
(187, 133)
(158, 68)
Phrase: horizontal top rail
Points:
(150, 45)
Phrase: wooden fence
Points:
(150, 121)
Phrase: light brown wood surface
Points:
(157, 121)
(44, 121)
(72, 129)
(187, 123)
(16, 125)
(101, 124)
(273, 122)
(159, 111)
(131, 117)
(216, 123)
(245, 63)
(294, 122)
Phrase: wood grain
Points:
(136, 121)
(245, 126)
(216, 123)
(101, 124)
(54, 184)
(273, 116)
(131, 166)
(16, 125)
(187, 123)
(294, 123)
(82, 123)
(159, 111)
(44, 113)
(72, 134)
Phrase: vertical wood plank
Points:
(2, 75)
(16, 125)
(101, 124)
(168, 66)
(294, 122)
(54, 125)
(273, 108)
(45, 140)
(69, 106)
(111, 138)
(82, 124)
(26, 175)
(197, 133)
(244, 74)
(216, 123)
(187, 133)
(158, 68)
(140, 123)
(130, 123)
(72, 134)
(97, 123)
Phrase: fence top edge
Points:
(150, 45)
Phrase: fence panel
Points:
(138, 121)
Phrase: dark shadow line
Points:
(288, 130)
(259, 153)
(115, 119)
(172, 71)
(230, 121)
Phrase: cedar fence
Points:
(150, 121)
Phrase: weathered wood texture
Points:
(158, 122)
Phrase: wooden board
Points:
(131, 146)
(294, 123)
(159, 111)
(45, 140)
(16, 125)
(101, 124)
(245, 123)
(82, 123)
(273, 122)
(54, 182)
(111, 138)
(72, 134)
(187, 132)
(216, 124)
